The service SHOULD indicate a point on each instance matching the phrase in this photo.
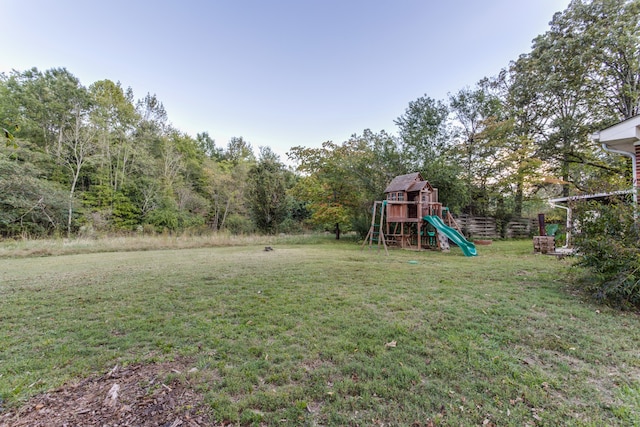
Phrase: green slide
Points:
(468, 248)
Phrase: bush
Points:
(29, 204)
(238, 224)
(608, 244)
(361, 225)
(291, 226)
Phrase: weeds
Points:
(64, 246)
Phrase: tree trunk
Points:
(76, 176)
(337, 231)
(517, 209)
(224, 215)
(565, 170)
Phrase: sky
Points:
(279, 73)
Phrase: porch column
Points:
(636, 173)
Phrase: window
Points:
(400, 196)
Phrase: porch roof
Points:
(621, 136)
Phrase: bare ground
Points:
(136, 395)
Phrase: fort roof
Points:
(409, 182)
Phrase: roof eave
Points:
(622, 136)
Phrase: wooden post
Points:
(372, 228)
(541, 228)
(381, 236)
(369, 237)
(420, 221)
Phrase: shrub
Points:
(239, 224)
(291, 226)
(608, 244)
(29, 204)
(361, 225)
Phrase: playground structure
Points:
(411, 217)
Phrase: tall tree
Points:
(114, 116)
(153, 116)
(238, 150)
(78, 145)
(208, 146)
(219, 190)
(267, 191)
(422, 130)
(329, 184)
(611, 33)
(379, 159)
(473, 109)
(46, 101)
(425, 141)
(577, 74)
(9, 113)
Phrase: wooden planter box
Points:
(544, 244)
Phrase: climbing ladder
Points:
(373, 235)
(443, 242)
(450, 220)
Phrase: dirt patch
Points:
(136, 395)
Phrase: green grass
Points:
(302, 335)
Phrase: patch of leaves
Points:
(136, 395)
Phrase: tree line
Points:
(96, 159)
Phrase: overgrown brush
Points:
(64, 246)
(608, 242)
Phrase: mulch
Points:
(135, 395)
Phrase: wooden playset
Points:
(411, 217)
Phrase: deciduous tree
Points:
(78, 145)
(267, 191)
(328, 184)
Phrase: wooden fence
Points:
(486, 227)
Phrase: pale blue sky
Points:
(280, 73)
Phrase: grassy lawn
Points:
(327, 334)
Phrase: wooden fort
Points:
(399, 219)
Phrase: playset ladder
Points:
(443, 242)
(373, 235)
(451, 221)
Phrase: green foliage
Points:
(267, 192)
(448, 179)
(608, 244)
(29, 204)
(426, 146)
(238, 150)
(581, 76)
(164, 218)
(474, 110)
(116, 208)
(10, 139)
(422, 130)
(361, 224)
(239, 224)
(207, 145)
(331, 188)
(488, 149)
(168, 217)
(121, 158)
